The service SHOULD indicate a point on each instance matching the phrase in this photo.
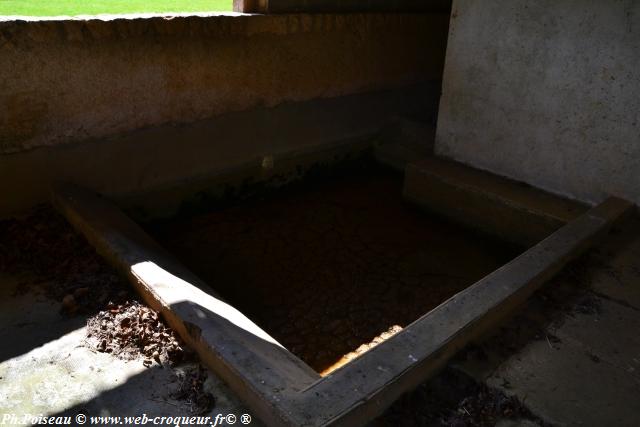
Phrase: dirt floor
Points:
(76, 339)
(332, 268)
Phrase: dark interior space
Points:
(333, 266)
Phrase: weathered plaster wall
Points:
(154, 170)
(154, 111)
(66, 81)
(546, 92)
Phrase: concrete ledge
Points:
(274, 383)
(159, 168)
(510, 210)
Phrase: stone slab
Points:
(581, 364)
(616, 275)
(510, 210)
(610, 334)
(566, 386)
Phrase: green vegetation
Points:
(94, 7)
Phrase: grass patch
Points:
(95, 7)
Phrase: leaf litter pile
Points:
(132, 330)
(61, 264)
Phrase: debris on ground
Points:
(60, 263)
(44, 245)
(485, 408)
(191, 391)
(131, 330)
(455, 399)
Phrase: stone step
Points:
(510, 210)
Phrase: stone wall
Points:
(160, 109)
(546, 92)
(65, 81)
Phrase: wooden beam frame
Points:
(279, 387)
